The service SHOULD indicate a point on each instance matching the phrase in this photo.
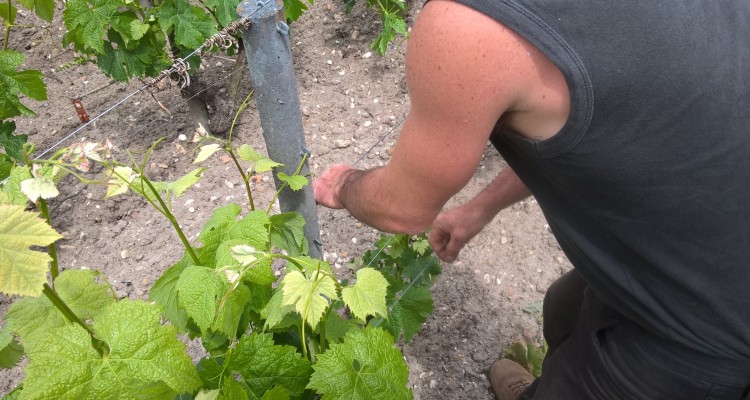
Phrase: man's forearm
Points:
(505, 190)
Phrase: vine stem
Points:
(101, 348)
(7, 28)
(53, 269)
(167, 213)
(245, 177)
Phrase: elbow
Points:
(407, 224)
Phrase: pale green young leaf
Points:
(225, 10)
(39, 187)
(366, 366)
(198, 289)
(12, 187)
(10, 142)
(14, 82)
(421, 246)
(119, 181)
(223, 226)
(296, 182)
(77, 288)
(177, 187)
(44, 9)
(244, 254)
(288, 233)
(408, 311)
(23, 271)
(260, 272)
(367, 296)
(10, 351)
(146, 360)
(310, 296)
(206, 151)
(87, 22)
(260, 162)
(264, 365)
(208, 395)
(191, 24)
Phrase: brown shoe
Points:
(509, 379)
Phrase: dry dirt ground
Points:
(350, 98)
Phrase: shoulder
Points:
(457, 54)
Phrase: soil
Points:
(351, 97)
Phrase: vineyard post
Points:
(269, 60)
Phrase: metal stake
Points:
(269, 60)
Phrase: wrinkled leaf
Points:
(367, 296)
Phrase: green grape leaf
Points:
(164, 293)
(12, 187)
(408, 311)
(12, 143)
(260, 162)
(367, 296)
(275, 311)
(6, 165)
(198, 291)
(393, 24)
(337, 327)
(288, 233)
(146, 360)
(230, 309)
(13, 82)
(309, 295)
(365, 366)
(10, 351)
(206, 151)
(128, 26)
(120, 62)
(23, 271)
(191, 24)
(296, 182)
(259, 272)
(294, 9)
(39, 187)
(77, 288)
(87, 22)
(233, 390)
(223, 226)
(420, 269)
(225, 10)
(44, 9)
(264, 365)
(277, 393)
(210, 372)
(8, 13)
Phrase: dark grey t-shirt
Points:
(647, 186)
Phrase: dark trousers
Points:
(597, 354)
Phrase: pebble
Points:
(229, 184)
(191, 209)
(182, 137)
(354, 240)
(342, 143)
(487, 278)
(121, 294)
(368, 123)
(124, 254)
(367, 55)
(503, 240)
(433, 384)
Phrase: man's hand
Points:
(327, 186)
(452, 229)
